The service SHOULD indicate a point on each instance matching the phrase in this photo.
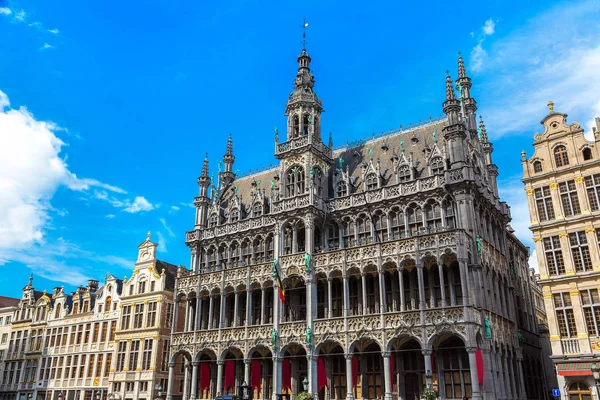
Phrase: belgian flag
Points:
(279, 282)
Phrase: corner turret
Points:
(202, 201)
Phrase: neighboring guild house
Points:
(368, 271)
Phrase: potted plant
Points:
(303, 396)
(430, 394)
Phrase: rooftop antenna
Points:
(303, 26)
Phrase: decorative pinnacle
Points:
(304, 26)
(229, 151)
(462, 73)
(551, 106)
(205, 167)
(484, 137)
(148, 235)
(449, 88)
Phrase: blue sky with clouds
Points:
(107, 108)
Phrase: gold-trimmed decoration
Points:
(562, 235)
(570, 273)
(152, 270)
(590, 230)
(554, 186)
(529, 192)
(554, 337)
(586, 212)
(538, 239)
(548, 296)
(582, 335)
(145, 301)
(575, 293)
(579, 179)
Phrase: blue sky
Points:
(107, 108)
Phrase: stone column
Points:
(170, 381)
(363, 276)
(473, 369)
(382, 299)
(210, 311)
(249, 316)
(235, 308)
(462, 264)
(186, 380)
(262, 306)
(199, 312)
(521, 375)
(349, 388)
(401, 288)
(222, 310)
(175, 314)
(386, 375)
(427, 358)
(507, 380)
(346, 296)
(329, 298)
(194, 390)
(295, 239)
(276, 376)
(421, 286)
(247, 363)
(442, 282)
(220, 364)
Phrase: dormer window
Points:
(294, 181)
(257, 209)
(437, 166)
(560, 156)
(404, 173)
(341, 190)
(537, 166)
(235, 215)
(212, 220)
(371, 181)
(587, 153)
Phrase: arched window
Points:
(579, 391)
(381, 227)
(334, 236)
(363, 224)
(371, 181)
(142, 287)
(57, 310)
(537, 166)
(436, 165)
(587, 153)
(317, 179)
(212, 220)
(560, 156)
(257, 209)
(246, 253)
(397, 223)
(433, 215)
(234, 216)
(259, 250)
(348, 233)
(294, 181)
(107, 303)
(341, 190)
(404, 173)
(269, 247)
(450, 216)
(306, 124)
(295, 126)
(415, 219)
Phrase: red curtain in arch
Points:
(204, 376)
(321, 374)
(354, 371)
(286, 376)
(479, 362)
(393, 369)
(255, 374)
(229, 374)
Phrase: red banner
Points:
(229, 374)
(286, 376)
(321, 374)
(204, 376)
(255, 374)
(354, 371)
(479, 361)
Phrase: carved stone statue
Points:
(274, 336)
(488, 328)
(308, 336)
(275, 264)
(478, 240)
(307, 262)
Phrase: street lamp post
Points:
(596, 372)
(61, 395)
(98, 395)
(159, 389)
(305, 384)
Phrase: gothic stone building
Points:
(371, 271)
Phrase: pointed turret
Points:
(454, 132)
(482, 131)
(227, 176)
(463, 84)
(488, 149)
(202, 201)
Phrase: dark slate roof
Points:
(8, 302)
(170, 272)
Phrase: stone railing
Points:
(570, 346)
(301, 141)
(230, 228)
(290, 204)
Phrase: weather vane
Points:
(303, 26)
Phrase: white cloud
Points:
(54, 31)
(478, 56)
(513, 192)
(533, 261)
(139, 204)
(20, 15)
(175, 208)
(169, 231)
(109, 216)
(162, 242)
(489, 27)
(31, 170)
(46, 46)
(5, 11)
(528, 67)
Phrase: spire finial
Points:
(462, 73)
(551, 106)
(449, 88)
(482, 130)
(304, 26)
(148, 235)
(30, 279)
(205, 166)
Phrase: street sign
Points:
(556, 392)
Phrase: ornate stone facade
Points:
(370, 271)
(562, 182)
